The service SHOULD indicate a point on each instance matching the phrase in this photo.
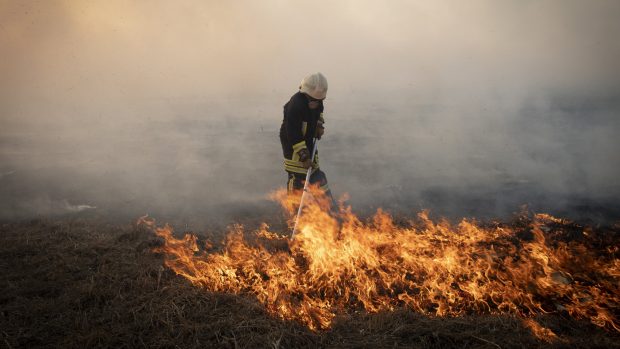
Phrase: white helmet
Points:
(314, 85)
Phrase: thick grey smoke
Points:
(467, 108)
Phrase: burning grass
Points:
(85, 283)
(339, 264)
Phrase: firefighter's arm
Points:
(320, 128)
(294, 132)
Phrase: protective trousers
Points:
(296, 182)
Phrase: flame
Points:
(339, 264)
(540, 331)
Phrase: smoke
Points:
(173, 109)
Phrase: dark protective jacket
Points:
(298, 131)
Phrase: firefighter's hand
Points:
(304, 157)
(320, 130)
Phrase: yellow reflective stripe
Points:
(299, 163)
(294, 166)
(321, 119)
(293, 163)
(290, 183)
(297, 167)
(299, 146)
(304, 128)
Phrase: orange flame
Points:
(539, 331)
(338, 264)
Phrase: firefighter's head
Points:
(315, 87)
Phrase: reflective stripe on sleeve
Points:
(299, 146)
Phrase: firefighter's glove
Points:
(304, 157)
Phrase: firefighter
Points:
(303, 121)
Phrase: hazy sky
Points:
(116, 51)
(454, 94)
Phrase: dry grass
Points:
(89, 284)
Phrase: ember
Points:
(337, 265)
